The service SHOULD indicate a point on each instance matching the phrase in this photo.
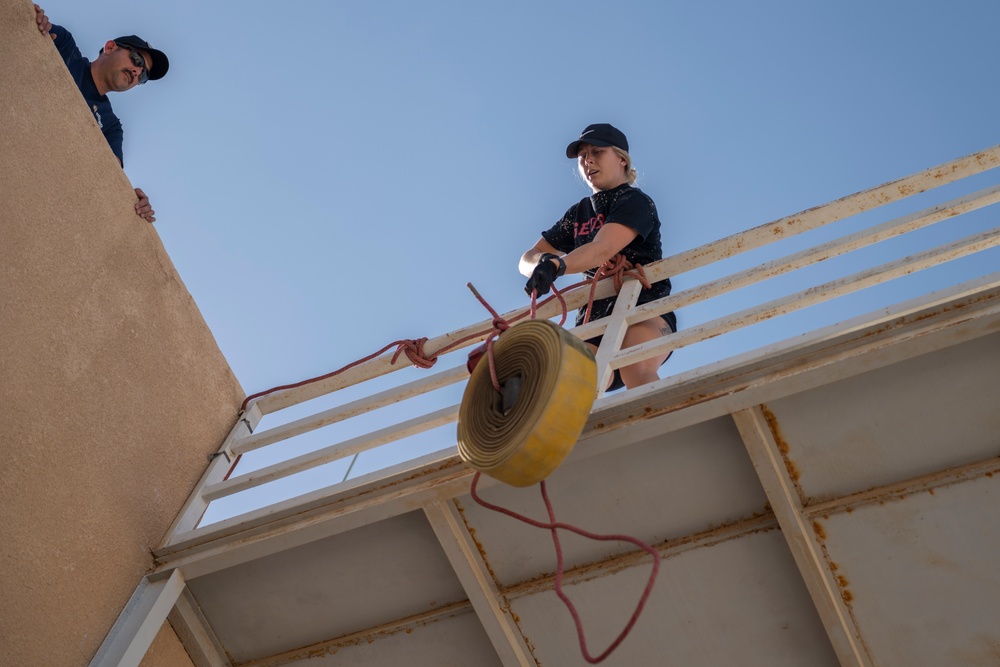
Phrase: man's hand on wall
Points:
(44, 25)
(142, 207)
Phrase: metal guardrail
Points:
(243, 439)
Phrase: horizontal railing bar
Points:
(331, 453)
(766, 311)
(816, 217)
(814, 255)
(808, 297)
(979, 293)
(676, 264)
(383, 365)
(352, 409)
(780, 266)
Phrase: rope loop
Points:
(414, 351)
(618, 269)
(553, 526)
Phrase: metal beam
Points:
(767, 460)
(195, 633)
(468, 562)
(140, 621)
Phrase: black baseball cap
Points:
(598, 134)
(159, 58)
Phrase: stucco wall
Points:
(112, 388)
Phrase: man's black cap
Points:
(160, 62)
(598, 134)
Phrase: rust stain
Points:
(818, 529)
(845, 592)
(833, 566)
(479, 547)
(772, 423)
(793, 471)
(639, 558)
(930, 491)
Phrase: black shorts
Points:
(617, 382)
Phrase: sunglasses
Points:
(138, 61)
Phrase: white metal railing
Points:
(242, 439)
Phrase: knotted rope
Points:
(617, 268)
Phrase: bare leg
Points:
(647, 371)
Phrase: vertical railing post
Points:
(615, 332)
(196, 505)
(138, 624)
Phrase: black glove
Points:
(544, 275)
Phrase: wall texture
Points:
(112, 388)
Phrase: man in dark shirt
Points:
(121, 65)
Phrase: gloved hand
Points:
(543, 276)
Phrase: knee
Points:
(639, 374)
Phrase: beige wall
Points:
(112, 389)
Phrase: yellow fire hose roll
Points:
(557, 375)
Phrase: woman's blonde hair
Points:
(630, 172)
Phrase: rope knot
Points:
(500, 324)
(619, 268)
(414, 351)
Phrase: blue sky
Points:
(327, 176)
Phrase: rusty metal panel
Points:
(667, 487)
(921, 574)
(329, 588)
(451, 640)
(899, 422)
(739, 602)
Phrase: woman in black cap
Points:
(616, 218)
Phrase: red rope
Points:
(617, 268)
(554, 526)
(414, 349)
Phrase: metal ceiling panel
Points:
(454, 640)
(922, 573)
(671, 486)
(326, 589)
(895, 423)
(738, 602)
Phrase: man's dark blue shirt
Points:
(98, 104)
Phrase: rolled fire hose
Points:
(549, 381)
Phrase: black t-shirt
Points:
(624, 205)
